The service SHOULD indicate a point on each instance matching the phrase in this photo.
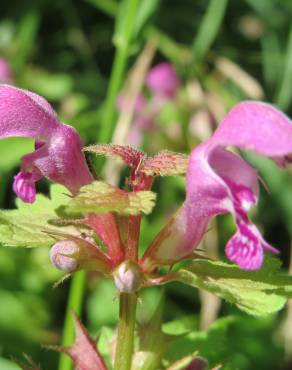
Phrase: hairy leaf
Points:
(24, 226)
(126, 153)
(102, 197)
(256, 292)
(165, 163)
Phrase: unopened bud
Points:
(63, 255)
(128, 277)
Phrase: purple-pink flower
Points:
(162, 80)
(58, 149)
(219, 181)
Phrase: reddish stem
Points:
(105, 226)
(132, 247)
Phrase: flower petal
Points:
(256, 126)
(245, 248)
(58, 155)
(25, 114)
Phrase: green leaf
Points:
(209, 28)
(181, 326)
(109, 7)
(260, 292)
(8, 365)
(52, 86)
(24, 226)
(279, 183)
(285, 95)
(202, 343)
(102, 197)
(146, 9)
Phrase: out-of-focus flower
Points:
(5, 72)
(141, 119)
(58, 149)
(162, 80)
(219, 182)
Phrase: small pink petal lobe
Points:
(24, 187)
(245, 248)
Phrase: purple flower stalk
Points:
(219, 181)
(58, 149)
(5, 72)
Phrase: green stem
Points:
(123, 36)
(126, 330)
(74, 304)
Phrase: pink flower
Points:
(58, 149)
(219, 182)
(163, 80)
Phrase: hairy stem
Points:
(126, 331)
(74, 304)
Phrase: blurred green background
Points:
(223, 52)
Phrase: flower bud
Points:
(63, 255)
(128, 277)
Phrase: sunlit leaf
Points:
(259, 292)
(102, 197)
(24, 226)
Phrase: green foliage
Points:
(258, 293)
(26, 226)
(64, 50)
(12, 149)
(8, 365)
(204, 342)
(209, 27)
(279, 185)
